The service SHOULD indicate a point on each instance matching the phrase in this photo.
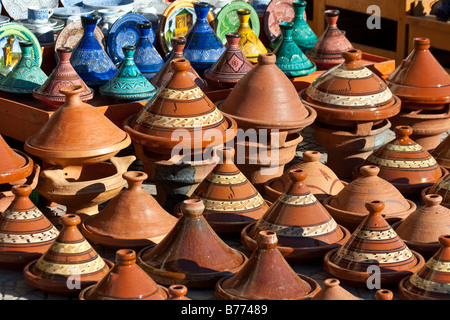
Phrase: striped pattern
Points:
(51, 267)
(211, 118)
(405, 164)
(296, 231)
(226, 179)
(350, 74)
(172, 94)
(235, 205)
(407, 148)
(429, 285)
(297, 200)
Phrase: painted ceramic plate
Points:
(277, 11)
(177, 20)
(124, 32)
(228, 21)
(73, 32)
(18, 9)
(10, 35)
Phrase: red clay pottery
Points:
(406, 164)
(348, 207)
(350, 95)
(422, 228)
(266, 276)
(373, 244)
(305, 230)
(15, 164)
(442, 153)
(231, 201)
(442, 188)
(320, 179)
(191, 254)
(327, 52)
(25, 233)
(231, 67)
(132, 219)
(69, 265)
(178, 292)
(69, 139)
(166, 72)
(125, 281)
(62, 76)
(431, 282)
(332, 290)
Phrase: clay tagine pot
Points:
(25, 233)
(191, 254)
(332, 290)
(231, 201)
(125, 281)
(62, 75)
(231, 67)
(132, 219)
(373, 243)
(320, 179)
(442, 188)
(431, 281)
(349, 209)
(422, 228)
(68, 139)
(305, 230)
(69, 265)
(249, 42)
(442, 153)
(350, 95)
(15, 164)
(406, 164)
(266, 276)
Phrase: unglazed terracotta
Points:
(191, 254)
(350, 94)
(420, 81)
(305, 230)
(82, 188)
(442, 153)
(431, 282)
(249, 42)
(231, 67)
(406, 164)
(266, 276)
(125, 281)
(231, 201)
(69, 265)
(327, 51)
(69, 139)
(422, 228)
(348, 207)
(374, 242)
(442, 188)
(25, 233)
(332, 290)
(63, 75)
(178, 292)
(320, 179)
(132, 219)
(15, 164)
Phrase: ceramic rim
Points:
(20, 173)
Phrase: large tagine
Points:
(15, 164)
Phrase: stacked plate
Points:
(64, 13)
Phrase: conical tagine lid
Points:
(25, 233)
(68, 138)
(14, 165)
(442, 188)
(420, 79)
(191, 254)
(266, 276)
(442, 153)
(333, 291)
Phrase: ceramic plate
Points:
(66, 12)
(18, 9)
(122, 5)
(73, 32)
(228, 21)
(13, 33)
(277, 11)
(72, 3)
(56, 24)
(124, 32)
(177, 20)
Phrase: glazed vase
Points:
(327, 52)
(63, 75)
(191, 254)
(231, 67)
(69, 265)
(15, 165)
(266, 276)
(147, 59)
(249, 43)
(26, 75)
(290, 58)
(128, 83)
(203, 47)
(25, 233)
(89, 59)
(303, 35)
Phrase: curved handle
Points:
(122, 163)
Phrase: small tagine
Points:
(15, 164)
(432, 281)
(249, 43)
(348, 207)
(266, 276)
(147, 59)
(131, 219)
(63, 75)
(191, 254)
(25, 233)
(69, 265)
(332, 290)
(327, 52)
(422, 228)
(373, 244)
(303, 35)
(305, 230)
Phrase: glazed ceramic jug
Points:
(303, 35)
(147, 59)
(249, 43)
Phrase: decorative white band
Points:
(349, 101)
(174, 122)
(409, 148)
(39, 237)
(297, 200)
(70, 269)
(295, 231)
(22, 215)
(382, 258)
(438, 265)
(232, 206)
(350, 74)
(428, 285)
(376, 235)
(402, 163)
(171, 94)
(223, 179)
(59, 247)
